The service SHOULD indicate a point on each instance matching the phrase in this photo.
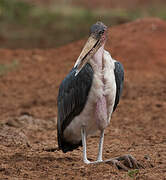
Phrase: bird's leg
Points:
(100, 152)
(128, 160)
(83, 134)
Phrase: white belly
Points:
(99, 88)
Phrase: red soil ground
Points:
(28, 109)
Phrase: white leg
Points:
(100, 152)
(99, 157)
(83, 134)
(114, 161)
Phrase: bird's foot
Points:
(99, 160)
(128, 162)
(86, 161)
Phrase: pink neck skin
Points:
(101, 106)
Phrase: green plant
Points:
(133, 173)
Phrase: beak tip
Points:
(76, 73)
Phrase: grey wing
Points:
(119, 78)
(72, 97)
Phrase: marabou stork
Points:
(88, 96)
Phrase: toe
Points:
(134, 162)
(117, 164)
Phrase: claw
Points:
(130, 161)
(134, 162)
(118, 165)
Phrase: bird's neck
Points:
(101, 104)
(98, 57)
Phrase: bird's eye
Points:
(101, 32)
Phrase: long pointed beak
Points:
(87, 52)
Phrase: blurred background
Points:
(52, 23)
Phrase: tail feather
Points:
(67, 146)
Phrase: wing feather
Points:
(119, 78)
(72, 97)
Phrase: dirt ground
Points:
(28, 109)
